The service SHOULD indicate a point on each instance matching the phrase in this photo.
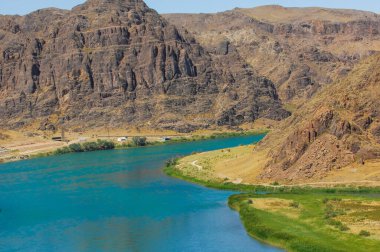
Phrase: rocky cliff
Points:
(338, 127)
(301, 50)
(119, 63)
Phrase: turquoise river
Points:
(117, 200)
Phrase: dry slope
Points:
(339, 127)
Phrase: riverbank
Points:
(18, 147)
(312, 222)
(171, 169)
(303, 217)
(226, 169)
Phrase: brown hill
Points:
(280, 14)
(333, 139)
(338, 128)
(119, 63)
(300, 49)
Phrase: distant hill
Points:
(300, 49)
(280, 14)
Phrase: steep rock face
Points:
(300, 49)
(117, 62)
(331, 131)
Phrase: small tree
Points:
(90, 146)
(75, 147)
(364, 233)
(139, 141)
(106, 145)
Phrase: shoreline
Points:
(129, 144)
(171, 171)
(279, 237)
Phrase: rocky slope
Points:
(119, 63)
(338, 127)
(300, 49)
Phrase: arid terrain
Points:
(117, 64)
(300, 49)
(333, 139)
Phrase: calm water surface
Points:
(117, 201)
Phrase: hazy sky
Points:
(192, 6)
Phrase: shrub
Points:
(63, 150)
(364, 233)
(171, 162)
(294, 204)
(337, 224)
(139, 141)
(75, 147)
(105, 145)
(90, 146)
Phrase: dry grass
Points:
(369, 173)
(276, 205)
(360, 215)
(236, 165)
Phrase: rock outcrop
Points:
(301, 50)
(337, 128)
(119, 63)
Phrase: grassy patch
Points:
(311, 231)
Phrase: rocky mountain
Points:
(119, 63)
(301, 50)
(339, 127)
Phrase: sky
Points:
(22, 7)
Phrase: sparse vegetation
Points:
(294, 204)
(364, 233)
(86, 147)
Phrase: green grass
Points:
(309, 232)
(317, 228)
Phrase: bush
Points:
(172, 162)
(75, 147)
(105, 145)
(139, 141)
(294, 204)
(337, 224)
(90, 146)
(63, 150)
(364, 233)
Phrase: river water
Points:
(117, 200)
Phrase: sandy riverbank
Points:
(241, 166)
